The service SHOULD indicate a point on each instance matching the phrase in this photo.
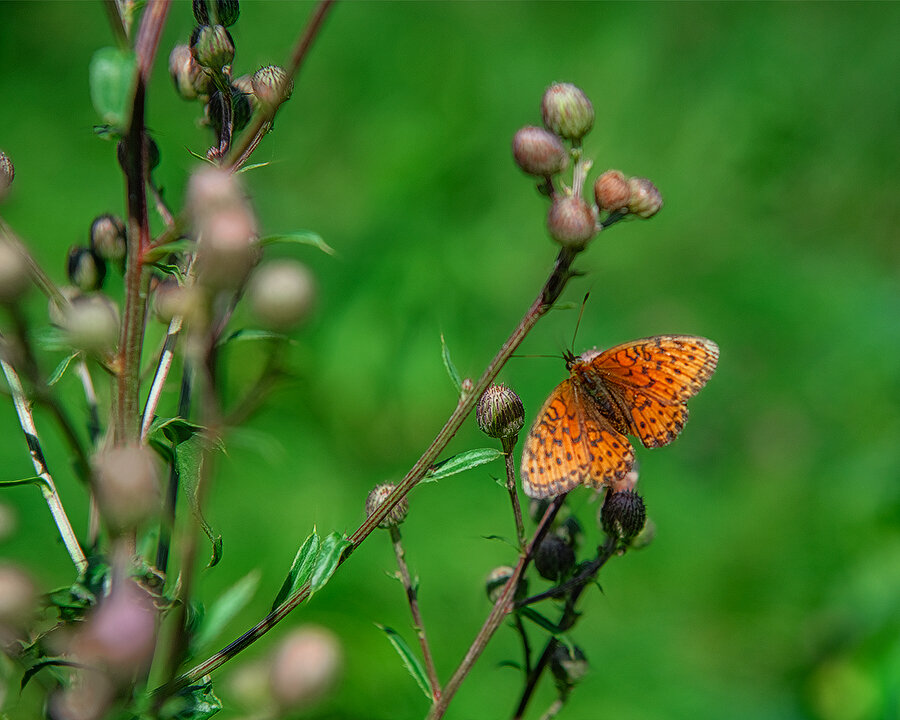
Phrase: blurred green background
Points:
(772, 588)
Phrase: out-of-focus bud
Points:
(7, 174)
(85, 268)
(306, 667)
(272, 86)
(91, 323)
(539, 152)
(645, 200)
(568, 666)
(17, 599)
(14, 277)
(378, 495)
(554, 558)
(127, 485)
(171, 299)
(8, 522)
(537, 508)
(244, 85)
(190, 79)
(611, 191)
(212, 46)
(571, 222)
(281, 294)
(500, 413)
(224, 12)
(88, 697)
(623, 514)
(248, 683)
(211, 189)
(56, 313)
(108, 237)
(497, 579)
(567, 111)
(570, 532)
(241, 110)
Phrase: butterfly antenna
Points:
(577, 324)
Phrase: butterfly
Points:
(638, 388)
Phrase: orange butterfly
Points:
(639, 388)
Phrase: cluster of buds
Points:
(544, 152)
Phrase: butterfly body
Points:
(638, 388)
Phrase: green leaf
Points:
(459, 463)
(201, 157)
(229, 604)
(451, 368)
(301, 569)
(112, 76)
(409, 659)
(168, 269)
(47, 662)
(333, 547)
(195, 702)
(253, 166)
(189, 456)
(34, 480)
(245, 334)
(61, 369)
(160, 251)
(301, 237)
(175, 429)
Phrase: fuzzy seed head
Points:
(397, 514)
(567, 111)
(645, 200)
(539, 152)
(571, 222)
(611, 191)
(500, 413)
(623, 514)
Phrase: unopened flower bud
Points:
(108, 237)
(91, 323)
(244, 85)
(539, 152)
(623, 514)
(500, 413)
(570, 532)
(272, 86)
(281, 294)
(190, 79)
(85, 268)
(227, 248)
(497, 579)
(212, 46)
(14, 275)
(306, 667)
(554, 558)
(152, 154)
(611, 191)
(7, 173)
(568, 666)
(127, 485)
(571, 222)
(645, 200)
(378, 495)
(17, 598)
(241, 110)
(223, 12)
(567, 111)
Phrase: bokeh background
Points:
(772, 588)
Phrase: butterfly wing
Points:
(571, 444)
(652, 379)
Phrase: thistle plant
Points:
(123, 639)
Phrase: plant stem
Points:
(166, 358)
(413, 598)
(48, 487)
(508, 446)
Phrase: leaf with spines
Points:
(461, 462)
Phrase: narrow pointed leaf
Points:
(333, 546)
(450, 367)
(189, 457)
(61, 369)
(409, 659)
(34, 480)
(460, 463)
(253, 166)
(301, 237)
(47, 662)
(229, 604)
(301, 569)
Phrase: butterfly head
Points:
(572, 360)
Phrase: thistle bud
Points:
(108, 237)
(500, 413)
(85, 268)
(568, 665)
(7, 174)
(378, 495)
(91, 323)
(127, 485)
(223, 12)
(190, 79)
(212, 47)
(305, 667)
(645, 200)
(244, 85)
(14, 275)
(272, 86)
(571, 222)
(497, 579)
(611, 191)
(539, 152)
(567, 111)
(554, 558)
(281, 294)
(623, 514)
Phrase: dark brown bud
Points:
(210, 12)
(108, 237)
(539, 152)
(554, 558)
(611, 191)
(623, 514)
(571, 222)
(378, 495)
(86, 269)
(500, 413)
(567, 111)
(645, 200)
(568, 665)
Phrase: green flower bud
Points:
(281, 294)
(210, 12)
(539, 152)
(645, 200)
(623, 514)
(567, 111)
(108, 237)
(272, 86)
(86, 269)
(7, 174)
(212, 46)
(500, 413)
(571, 222)
(612, 191)
(568, 666)
(378, 495)
(554, 558)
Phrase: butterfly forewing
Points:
(572, 444)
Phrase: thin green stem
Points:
(509, 445)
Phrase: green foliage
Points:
(112, 73)
(412, 663)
